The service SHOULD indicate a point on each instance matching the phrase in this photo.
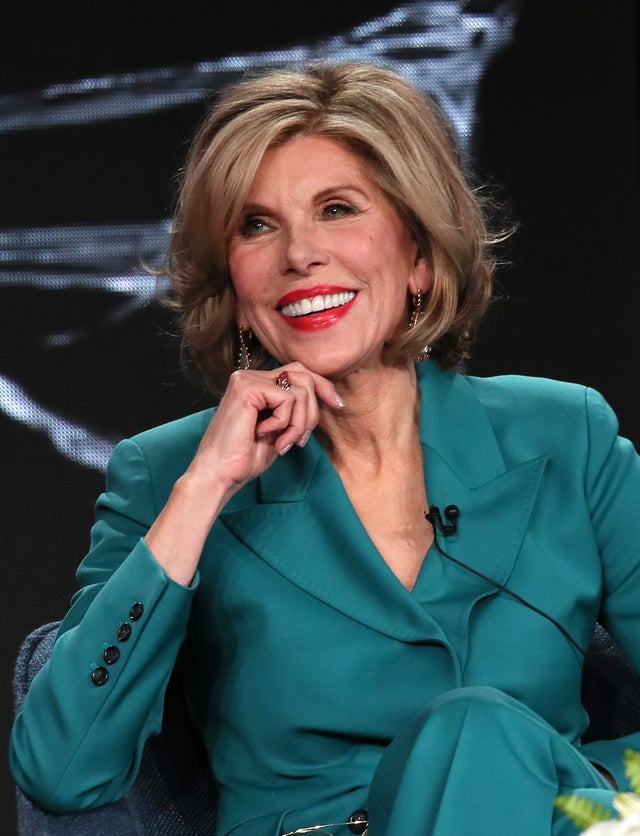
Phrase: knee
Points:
(471, 695)
(478, 708)
(481, 699)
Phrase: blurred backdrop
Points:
(96, 111)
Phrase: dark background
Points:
(556, 132)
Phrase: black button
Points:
(136, 611)
(358, 821)
(99, 676)
(124, 631)
(111, 654)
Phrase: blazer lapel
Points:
(464, 465)
(308, 531)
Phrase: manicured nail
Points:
(339, 400)
(286, 449)
(303, 439)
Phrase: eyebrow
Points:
(319, 196)
(339, 187)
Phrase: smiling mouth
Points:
(317, 304)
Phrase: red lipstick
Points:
(315, 320)
(309, 293)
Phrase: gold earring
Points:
(416, 311)
(416, 308)
(244, 355)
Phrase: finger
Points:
(293, 419)
(303, 419)
(328, 394)
(323, 388)
(276, 418)
(297, 412)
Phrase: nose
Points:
(302, 249)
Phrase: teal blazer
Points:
(304, 655)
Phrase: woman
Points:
(347, 657)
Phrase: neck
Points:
(379, 419)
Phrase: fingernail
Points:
(304, 439)
(339, 400)
(286, 449)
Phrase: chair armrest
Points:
(173, 795)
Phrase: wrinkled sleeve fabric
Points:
(77, 741)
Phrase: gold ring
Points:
(282, 381)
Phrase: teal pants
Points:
(477, 762)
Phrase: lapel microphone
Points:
(451, 512)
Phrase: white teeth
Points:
(318, 303)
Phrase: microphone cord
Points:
(506, 589)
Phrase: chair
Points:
(174, 793)
(610, 690)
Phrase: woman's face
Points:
(320, 261)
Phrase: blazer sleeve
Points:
(612, 489)
(613, 493)
(77, 741)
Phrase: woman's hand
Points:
(256, 421)
(259, 419)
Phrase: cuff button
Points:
(124, 631)
(111, 654)
(99, 675)
(136, 611)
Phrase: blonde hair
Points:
(410, 148)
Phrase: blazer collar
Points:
(455, 425)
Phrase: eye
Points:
(338, 209)
(253, 225)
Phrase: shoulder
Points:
(545, 407)
(515, 400)
(523, 393)
(187, 430)
(168, 446)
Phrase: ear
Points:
(421, 276)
